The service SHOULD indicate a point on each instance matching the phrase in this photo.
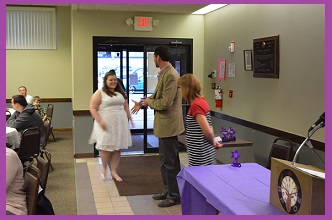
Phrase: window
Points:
(30, 28)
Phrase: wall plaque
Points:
(266, 57)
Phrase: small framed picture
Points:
(248, 60)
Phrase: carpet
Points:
(141, 176)
(138, 144)
(61, 188)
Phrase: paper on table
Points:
(313, 172)
(218, 138)
(9, 129)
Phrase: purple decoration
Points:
(231, 132)
(235, 155)
(224, 133)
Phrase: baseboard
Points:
(319, 145)
(62, 129)
(84, 155)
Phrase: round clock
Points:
(289, 191)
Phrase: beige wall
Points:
(87, 24)
(291, 103)
(294, 101)
(46, 73)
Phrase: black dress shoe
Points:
(169, 202)
(160, 196)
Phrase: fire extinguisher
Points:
(218, 97)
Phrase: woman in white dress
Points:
(111, 133)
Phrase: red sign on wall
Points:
(143, 23)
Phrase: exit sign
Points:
(143, 23)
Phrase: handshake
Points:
(140, 105)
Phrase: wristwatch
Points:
(141, 105)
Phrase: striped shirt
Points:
(200, 151)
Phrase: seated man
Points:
(25, 116)
(23, 91)
(15, 195)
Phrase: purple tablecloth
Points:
(230, 190)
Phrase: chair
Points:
(8, 114)
(31, 187)
(29, 146)
(281, 151)
(44, 166)
(47, 126)
(45, 154)
(49, 112)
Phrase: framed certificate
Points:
(266, 57)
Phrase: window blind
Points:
(30, 28)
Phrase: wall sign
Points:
(247, 60)
(266, 57)
(222, 70)
(143, 23)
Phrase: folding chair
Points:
(29, 146)
(45, 154)
(31, 186)
(47, 126)
(44, 167)
(8, 114)
(49, 112)
(281, 151)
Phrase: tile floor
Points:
(97, 197)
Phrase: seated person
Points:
(39, 108)
(25, 116)
(15, 194)
(23, 91)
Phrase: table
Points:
(224, 154)
(12, 137)
(230, 190)
(11, 110)
(237, 143)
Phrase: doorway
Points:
(132, 60)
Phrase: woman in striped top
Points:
(201, 145)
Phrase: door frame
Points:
(102, 43)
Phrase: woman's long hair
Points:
(190, 87)
(118, 88)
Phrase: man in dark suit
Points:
(25, 116)
(168, 124)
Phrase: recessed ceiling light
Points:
(208, 9)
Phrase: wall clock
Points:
(289, 191)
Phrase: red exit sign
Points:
(143, 23)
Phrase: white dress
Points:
(117, 136)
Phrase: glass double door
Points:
(134, 64)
